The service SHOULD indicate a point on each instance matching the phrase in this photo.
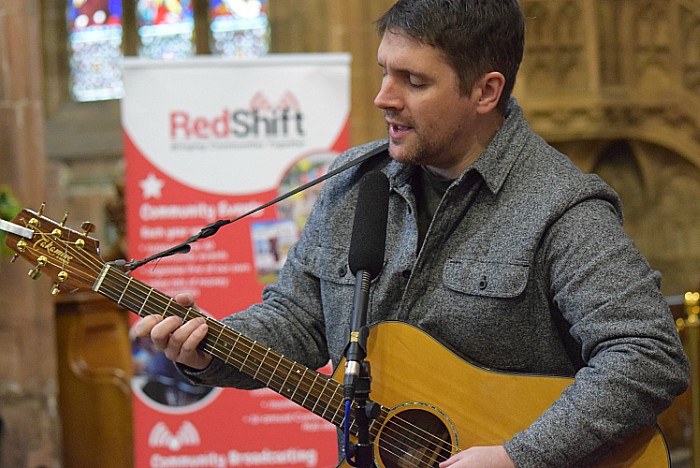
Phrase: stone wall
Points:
(615, 84)
(29, 427)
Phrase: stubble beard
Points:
(417, 152)
(406, 152)
(407, 155)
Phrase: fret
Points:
(301, 377)
(144, 302)
(342, 421)
(167, 306)
(337, 408)
(247, 355)
(221, 330)
(284, 382)
(303, 402)
(262, 361)
(313, 410)
(119, 301)
(325, 405)
(228, 357)
(274, 371)
(185, 318)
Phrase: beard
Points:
(416, 150)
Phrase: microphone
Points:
(365, 259)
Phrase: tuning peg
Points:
(56, 233)
(35, 272)
(87, 227)
(14, 257)
(41, 210)
(62, 277)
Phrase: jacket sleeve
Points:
(289, 319)
(634, 360)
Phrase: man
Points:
(496, 245)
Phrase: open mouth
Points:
(398, 131)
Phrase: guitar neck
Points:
(317, 393)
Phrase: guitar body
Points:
(432, 402)
(419, 379)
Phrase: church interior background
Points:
(614, 84)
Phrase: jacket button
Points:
(342, 271)
(406, 274)
(483, 283)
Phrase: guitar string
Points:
(336, 393)
(87, 259)
(98, 264)
(252, 369)
(289, 371)
(140, 300)
(81, 253)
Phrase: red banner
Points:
(209, 139)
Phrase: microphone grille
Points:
(368, 239)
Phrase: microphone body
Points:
(365, 259)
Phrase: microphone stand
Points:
(358, 377)
(365, 261)
(365, 411)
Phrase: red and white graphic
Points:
(151, 186)
(185, 436)
(208, 139)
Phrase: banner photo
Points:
(208, 139)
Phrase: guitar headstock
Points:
(69, 257)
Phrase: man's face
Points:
(429, 122)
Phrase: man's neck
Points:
(491, 124)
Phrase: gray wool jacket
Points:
(525, 267)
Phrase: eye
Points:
(416, 82)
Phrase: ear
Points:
(488, 91)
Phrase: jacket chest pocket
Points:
(486, 278)
(337, 290)
(482, 309)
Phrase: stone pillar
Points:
(29, 429)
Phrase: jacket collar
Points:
(495, 162)
(499, 157)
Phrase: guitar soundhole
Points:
(414, 437)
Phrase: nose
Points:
(387, 97)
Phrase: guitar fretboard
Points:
(310, 389)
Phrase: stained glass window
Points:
(239, 28)
(95, 39)
(161, 29)
(166, 28)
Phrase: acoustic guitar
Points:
(427, 411)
